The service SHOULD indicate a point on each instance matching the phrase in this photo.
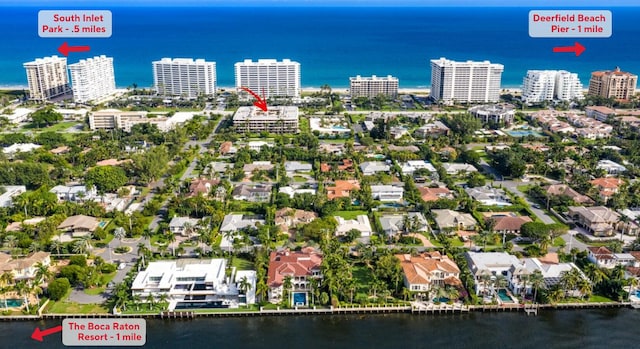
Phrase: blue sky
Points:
(482, 3)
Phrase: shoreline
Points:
(433, 309)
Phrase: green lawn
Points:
(362, 276)
(349, 214)
(242, 264)
(62, 307)
(599, 299)
(559, 242)
(61, 126)
(94, 291)
(299, 179)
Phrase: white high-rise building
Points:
(47, 77)
(547, 85)
(269, 78)
(92, 79)
(568, 86)
(373, 86)
(467, 82)
(184, 77)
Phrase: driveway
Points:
(422, 238)
(512, 186)
(78, 296)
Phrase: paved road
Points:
(572, 242)
(512, 186)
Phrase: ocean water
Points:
(584, 329)
(331, 44)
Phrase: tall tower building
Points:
(470, 82)
(613, 84)
(269, 77)
(184, 77)
(47, 77)
(547, 85)
(373, 86)
(92, 79)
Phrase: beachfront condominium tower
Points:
(466, 82)
(269, 77)
(372, 86)
(184, 77)
(92, 79)
(613, 84)
(547, 85)
(47, 77)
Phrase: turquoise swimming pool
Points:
(504, 297)
(11, 303)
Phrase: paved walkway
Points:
(78, 296)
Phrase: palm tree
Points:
(79, 247)
(143, 251)
(6, 279)
(136, 299)
(287, 285)
(244, 285)
(594, 273)
(537, 281)
(262, 289)
(21, 288)
(119, 233)
(163, 298)
(585, 288)
(55, 245)
(150, 300)
(43, 274)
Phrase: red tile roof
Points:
(286, 263)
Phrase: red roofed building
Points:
(607, 186)
(427, 270)
(202, 186)
(300, 267)
(342, 189)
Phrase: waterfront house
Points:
(428, 270)
(195, 283)
(23, 268)
(295, 269)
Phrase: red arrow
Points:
(260, 103)
(65, 48)
(577, 48)
(37, 334)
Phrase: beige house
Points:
(428, 270)
(449, 219)
(601, 221)
(24, 268)
(79, 225)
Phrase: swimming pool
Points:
(504, 297)
(102, 224)
(11, 303)
(523, 133)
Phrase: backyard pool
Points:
(504, 297)
(11, 303)
(102, 224)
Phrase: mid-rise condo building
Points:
(613, 84)
(92, 79)
(466, 82)
(372, 86)
(47, 77)
(275, 120)
(269, 77)
(547, 85)
(184, 77)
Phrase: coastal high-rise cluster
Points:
(92, 79)
(613, 84)
(372, 86)
(547, 85)
(269, 77)
(466, 82)
(184, 77)
(47, 77)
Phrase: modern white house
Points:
(387, 193)
(75, 193)
(195, 283)
(292, 191)
(370, 168)
(611, 167)
(361, 223)
(411, 166)
(10, 191)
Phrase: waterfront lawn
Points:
(363, 278)
(349, 214)
(62, 307)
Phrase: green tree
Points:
(107, 179)
(46, 116)
(58, 288)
